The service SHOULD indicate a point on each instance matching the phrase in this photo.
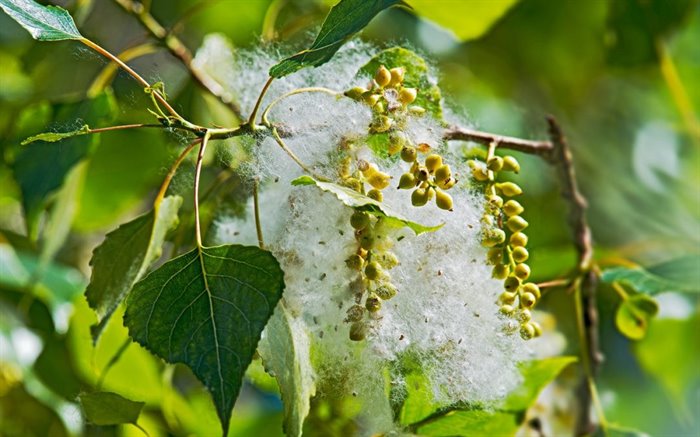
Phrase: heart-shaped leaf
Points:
(679, 274)
(44, 23)
(633, 315)
(207, 309)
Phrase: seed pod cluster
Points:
(428, 180)
(372, 261)
(367, 173)
(502, 233)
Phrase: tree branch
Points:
(540, 148)
(178, 49)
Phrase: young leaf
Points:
(44, 23)
(416, 75)
(207, 309)
(285, 350)
(471, 422)
(105, 408)
(359, 201)
(680, 274)
(52, 137)
(344, 20)
(125, 255)
(633, 315)
(536, 375)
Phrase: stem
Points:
(541, 148)
(197, 173)
(107, 74)
(133, 74)
(254, 114)
(143, 430)
(265, 113)
(256, 207)
(112, 361)
(171, 173)
(271, 15)
(123, 127)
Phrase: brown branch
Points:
(178, 49)
(540, 148)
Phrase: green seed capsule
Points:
(356, 93)
(537, 328)
(416, 110)
(511, 164)
(509, 189)
(354, 313)
(419, 197)
(518, 239)
(506, 309)
(375, 194)
(495, 256)
(531, 287)
(355, 262)
(442, 173)
(527, 300)
(447, 183)
(520, 254)
(407, 95)
(379, 108)
(359, 220)
(512, 283)
(407, 181)
(397, 75)
(386, 291)
(387, 260)
(513, 207)
(422, 174)
(371, 99)
(379, 180)
(480, 174)
(353, 183)
(409, 154)
(358, 331)
(516, 223)
(382, 124)
(493, 237)
(382, 76)
(522, 271)
(524, 315)
(373, 271)
(397, 140)
(500, 271)
(432, 162)
(373, 303)
(507, 298)
(527, 332)
(495, 163)
(367, 241)
(495, 201)
(443, 200)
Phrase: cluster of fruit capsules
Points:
(365, 173)
(428, 180)
(502, 233)
(389, 99)
(372, 260)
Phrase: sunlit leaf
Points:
(207, 309)
(471, 422)
(52, 137)
(125, 255)
(285, 351)
(21, 414)
(344, 20)
(359, 201)
(419, 402)
(466, 20)
(633, 315)
(105, 408)
(536, 374)
(44, 23)
(54, 367)
(680, 274)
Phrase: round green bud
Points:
(367, 240)
(516, 223)
(397, 75)
(520, 254)
(534, 289)
(538, 329)
(495, 201)
(382, 76)
(527, 331)
(518, 239)
(419, 197)
(522, 271)
(506, 309)
(493, 237)
(433, 161)
(386, 291)
(507, 298)
(472, 163)
(358, 331)
(355, 262)
(373, 271)
(370, 98)
(495, 255)
(512, 283)
(409, 154)
(442, 172)
(397, 140)
(416, 110)
(447, 183)
(407, 181)
(379, 108)
(513, 207)
(495, 163)
(524, 315)
(355, 313)
(379, 180)
(527, 300)
(373, 303)
(500, 271)
(356, 93)
(375, 194)
(407, 95)
(422, 174)
(480, 174)
(353, 183)
(511, 164)
(359, 220)
(387, 260)
(509, 189)
(382, 123)
(443, 200)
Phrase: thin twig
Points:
(256, 208)
(173, 169)
(105, 77)
(112, 361)
(540, 148)
(197, 173)
(254, 114)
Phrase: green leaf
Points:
(285, 351)
(52, 137)
(472, 422)
(125, 255)
(26, 415)
(344, 20)
(633, 315)
(105, 408)
(361, 202)
(419, 402)
(207, 309)
(44, 23)
(416, 75)
(537, 374)
(680, 274)
(55, 368)
(466, 20)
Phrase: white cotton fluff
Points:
(445, 315)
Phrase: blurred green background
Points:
(622, 77)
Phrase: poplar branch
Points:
(178, 49)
